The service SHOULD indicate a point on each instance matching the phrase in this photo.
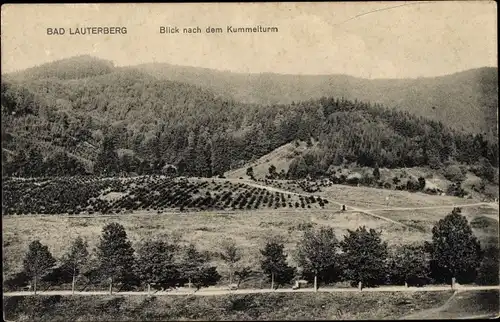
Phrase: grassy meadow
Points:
(207, 230)
(374, 198)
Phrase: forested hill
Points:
(105, 121)
(69, 68)
(466, 100)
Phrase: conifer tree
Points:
(37, 261)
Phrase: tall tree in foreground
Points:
(115, 254)
(75, 259)
(364, 256)
(274, 263)
(196, 270)
(317, 254)
(155, 264)
(455, 251)
(231, 255)
(37, 261)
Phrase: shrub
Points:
(489, 269)
(454, 173)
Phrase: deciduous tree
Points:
(409, 264)
(156, 265)
(455, 251)
(364, 256)
(231, 255)
(196, 270)
(75, 259)
(274, 263)
(317, 254)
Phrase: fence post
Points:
(360, 286)
(453, 281)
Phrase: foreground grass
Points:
(464, 305)
(229, 307)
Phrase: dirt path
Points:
(369, 211)
(458, 306)
(430, 313)
(352, 208)
(213, 291)
(493, 205)
(251, 183)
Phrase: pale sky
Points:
(360, 39)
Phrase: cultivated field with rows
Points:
(83, 195)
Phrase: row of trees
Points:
(361, 257)
(116, 261)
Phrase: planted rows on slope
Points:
(89, 195)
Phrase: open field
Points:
(250, 229)
(371, 197)
(484, 221)
(270, 306)
(367, 197)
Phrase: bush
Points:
(17, 281)
(412, 185)
(454, 173)
(456, 190)
(489, 270)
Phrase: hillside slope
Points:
(466, 100)
(74, 115)
(281, 158)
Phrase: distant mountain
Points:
(466, 100)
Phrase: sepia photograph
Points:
(250, 161)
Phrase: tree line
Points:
(361, 257)
(161, 123)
